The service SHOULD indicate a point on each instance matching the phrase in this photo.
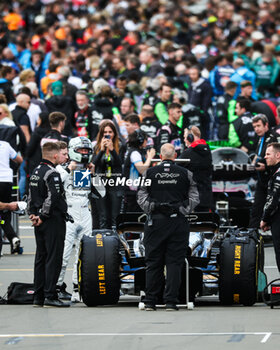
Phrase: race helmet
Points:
(78, 143)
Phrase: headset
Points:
(190, 136)
(140, 136)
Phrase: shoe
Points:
(171, 307)
(150, 307)
(38, 303)
(55, 303)
(15, 245)
(75, 298)
(62, 293)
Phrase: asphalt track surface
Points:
(123, 326)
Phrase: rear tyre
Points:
(238, 272)
(98, 270)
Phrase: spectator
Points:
(26, 76)
(37, 59)
(35, 96)
(243, 73)
(149, 124)
(33, 151)
(199, 154)
(64, 75)
(200, 93)
(170, 132)
(241, 131)
(7, 153)
(108, 164)
(127, 106)
(51, 77)
(6, 117)
(20, 116)
(160, 107)
(59, 102)
(225, 109)
(221, 74)
(191, 115)
(83, 116)
(10, 132)
(34, 109)
(57, 123)
(6, 85)
(267, 70)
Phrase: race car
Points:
(223, 259)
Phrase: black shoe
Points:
(38, 303)
(55, 303)
(171, 307)
(150, 307)
(62, 293)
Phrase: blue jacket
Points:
(218, 78)
(243, 73)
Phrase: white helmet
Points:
(75, 145)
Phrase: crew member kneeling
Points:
(171, 195)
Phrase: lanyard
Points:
(261, 146)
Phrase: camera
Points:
(107, 137)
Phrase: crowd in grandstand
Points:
(149, 69)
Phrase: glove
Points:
(69, 218)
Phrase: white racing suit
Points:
(78, 207)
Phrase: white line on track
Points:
(266, 335)
(25, 227)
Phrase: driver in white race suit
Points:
(76, 178)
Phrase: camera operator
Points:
(266, 136)
(136, 161)
(171, 195)
(76, 179)
(47, 210)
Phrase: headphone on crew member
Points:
(140, 136)
(190, 136)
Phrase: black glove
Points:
(69, 218)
